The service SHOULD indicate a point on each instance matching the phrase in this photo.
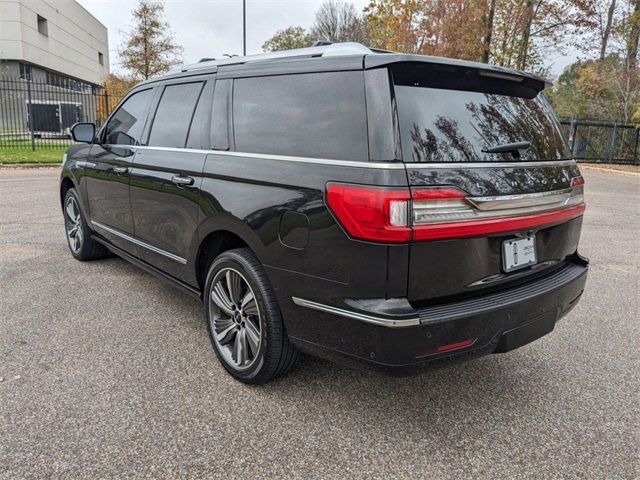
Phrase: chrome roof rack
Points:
(332, 50)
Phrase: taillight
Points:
(429, 213)
(371, 213)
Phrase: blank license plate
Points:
(518, 253)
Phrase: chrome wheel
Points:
(234, 319)
(75, 235)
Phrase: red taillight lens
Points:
(371, 213)
(432, 213)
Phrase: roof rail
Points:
(332, 50)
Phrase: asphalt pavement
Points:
(107, 372)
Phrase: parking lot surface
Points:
(108, 372)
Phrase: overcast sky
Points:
(210, 28)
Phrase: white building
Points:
(52, 41)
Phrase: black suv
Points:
(368, 207)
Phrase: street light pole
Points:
(244, 27)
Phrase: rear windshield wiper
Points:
(513, 148)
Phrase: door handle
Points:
(120, 170)
(182, 181)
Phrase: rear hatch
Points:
(495, 197)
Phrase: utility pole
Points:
(244, 27)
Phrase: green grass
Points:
(23, 155)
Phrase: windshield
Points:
(442, 125)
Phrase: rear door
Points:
(166, 178)
(108, 171)
(486, 165)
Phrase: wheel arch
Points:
(66, 184)
(216, 242)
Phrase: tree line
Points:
(521, 34)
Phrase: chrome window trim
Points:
(391, 165)
(463, 165)
(129, 238)
(321, 161)
(384, 322)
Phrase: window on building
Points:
(309, 115)
(60, 81)
(125, 126)
(173, 117)
(100, 58)
(25, 71)
(43, 28)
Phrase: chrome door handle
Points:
(182, 181)
(119, 170)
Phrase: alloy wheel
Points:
(234, 318)
(75, 235)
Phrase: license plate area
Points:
(518, 253)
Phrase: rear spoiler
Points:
(533, 82)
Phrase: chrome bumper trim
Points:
(381, 321)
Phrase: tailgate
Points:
(454, 267)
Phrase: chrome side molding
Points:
(384, 322)
(142, 244)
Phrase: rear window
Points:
(473, 113)
(318, 115)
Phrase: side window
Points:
(221, 118)
(125, 126)
(201, 124)
(173, 116)
(309, 115)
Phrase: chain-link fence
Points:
(37, 114)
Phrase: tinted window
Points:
(220, 121)
(446, 125)
(125, 127)
(173, 116)
(309, 115)
(199, 136)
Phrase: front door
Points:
(166, 179)
(108, 172)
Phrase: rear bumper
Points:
(390, 336)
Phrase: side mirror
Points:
(84, 132)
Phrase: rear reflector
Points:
(455, 346)
(399, 215)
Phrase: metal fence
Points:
(600, 142)
(37, 114)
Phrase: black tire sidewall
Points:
(259, 371)
(86, 233)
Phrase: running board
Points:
(180, 285)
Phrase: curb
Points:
(609, 170)
(30, 165)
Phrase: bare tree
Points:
(634, 36)
(338, 21)
(149, 49)
(606, 32)
(486, 49)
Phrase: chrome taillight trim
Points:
(427, 212)
(540, 199)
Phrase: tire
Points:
(240, 307)
(79, 240)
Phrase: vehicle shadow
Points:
(522, 382)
